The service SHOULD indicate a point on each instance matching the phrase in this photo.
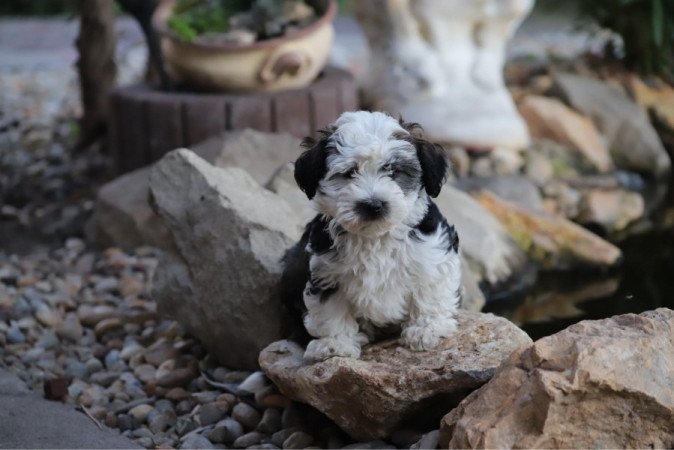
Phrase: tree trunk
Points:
(96, 44)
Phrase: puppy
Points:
(379, 252)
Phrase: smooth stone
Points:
(211, 413)
(140, 412)
(226, 431)
(248, 439)
(270, 422)
(196, 441)
(298, 439)
(246, 415)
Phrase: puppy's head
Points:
(371, 172)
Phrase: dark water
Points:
(644, 281)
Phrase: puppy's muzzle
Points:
(372, 209)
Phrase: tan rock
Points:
(370, 396)
(553, 241)
(612, 209)
(656, 96)
(597, 384)
(549, 118)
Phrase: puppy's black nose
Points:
(372, 209)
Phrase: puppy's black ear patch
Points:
(310, 167)
(432, 157)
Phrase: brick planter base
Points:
(145, 123)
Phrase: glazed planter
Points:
(291, 61)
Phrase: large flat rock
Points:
(29, 421)
(597, 384)
(370, 396)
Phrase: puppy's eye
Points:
(390, 171)
(349, 173)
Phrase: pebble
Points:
(270, 422)
(164, 405)
(184, 425)
(140, 412)
(47, 316)
(130, 350)
(145, 442)
(159, 421)
(226, 431)
(246, 415)
(298, 439)
(196, 441)
(254, 383)
(15, 336)
(177, 394)
(205, 396)
(111, 358)
(125, 422)
(211, 413)
(248, 439)
(108, 325)
(279, 437)
(145, 372)
(94, 365)
(76, 369)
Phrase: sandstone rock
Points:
(483, 240)
(370, 396)
(230, 235)
(656, 96)
(553, 241)
(552, 119)
(122, 215)
(633, 142)
(597, 384)
(612, 209)
(440, 64)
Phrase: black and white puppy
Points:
(379, 252)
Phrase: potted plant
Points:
(245, 45)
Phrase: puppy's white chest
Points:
(374, 278)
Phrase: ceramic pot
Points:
(291, 61)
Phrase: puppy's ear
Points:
(432, 157)
(311, 167)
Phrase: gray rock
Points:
(218, 283)
(159, 421)
(298, 439)
(394, 382)
(15, 336)
(184, 425)
(279, 437)
(76, 369)
(270, 422)
(94, 365)
(246, 415)
(248, 439)
(516, 189)
(428, 440)
(196, 441)
(210, 413)
(122, 215)
(484, 242)
(226, 431)
(283, 183)
(145, 442)
(633, 141)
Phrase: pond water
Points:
(644, 281)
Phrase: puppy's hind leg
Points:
(332, 322)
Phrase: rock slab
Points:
(597, 384)
(370, 396)
(230, 235)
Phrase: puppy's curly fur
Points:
(379, 252)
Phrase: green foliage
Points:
(192, 18)
(647, 30)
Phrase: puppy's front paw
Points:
(324, 348)
(427, 337)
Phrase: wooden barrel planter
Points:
(146, 123)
